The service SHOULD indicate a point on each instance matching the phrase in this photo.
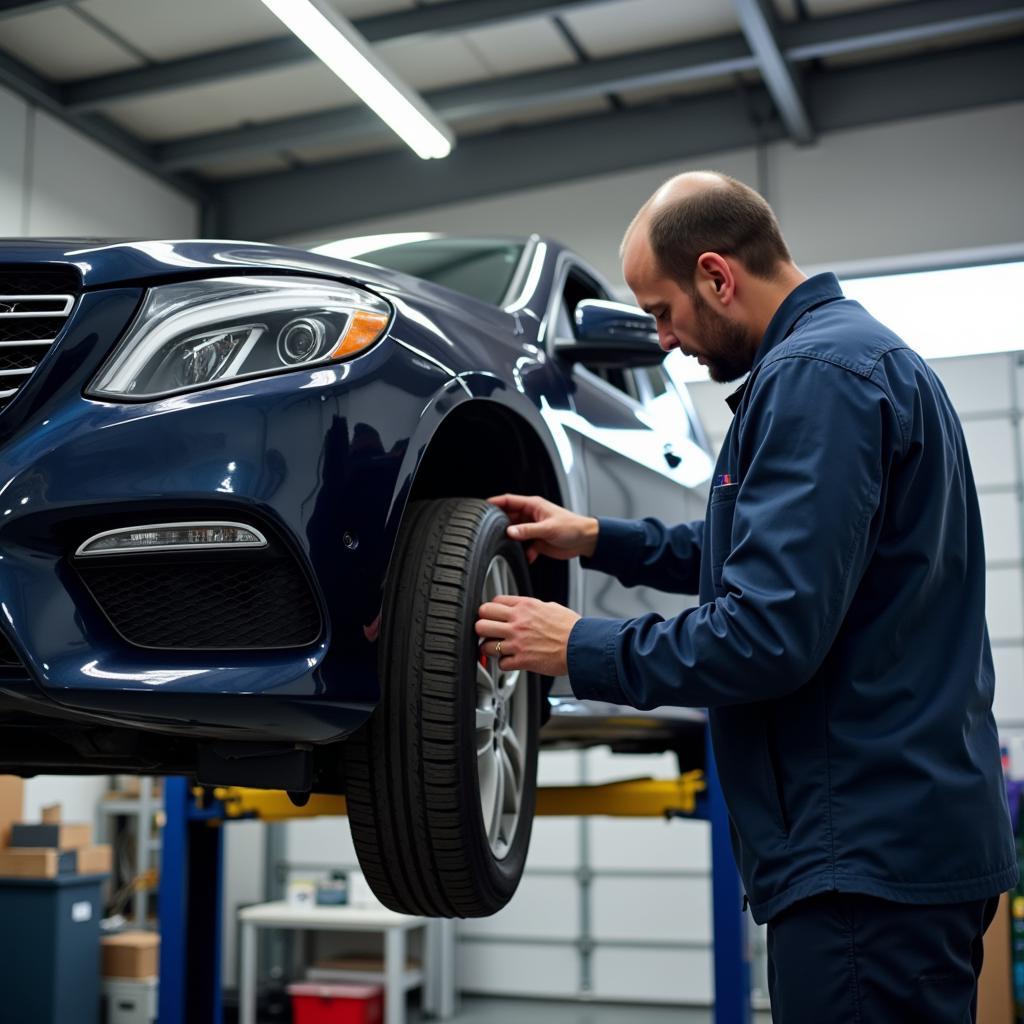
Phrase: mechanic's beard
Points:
(727, 348)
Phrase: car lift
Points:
(192, 866)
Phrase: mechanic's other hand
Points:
(547, 528)
(534, 634)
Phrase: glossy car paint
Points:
(324, 459)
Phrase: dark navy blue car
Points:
(242, 533)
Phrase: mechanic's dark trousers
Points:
(842, 958)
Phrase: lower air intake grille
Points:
(35, 303)
(8, 659)
(236, 604)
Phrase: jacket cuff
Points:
(593, 673)
(619, 542)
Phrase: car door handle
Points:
(670, 457)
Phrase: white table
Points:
(437, 976)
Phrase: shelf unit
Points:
(142, 812)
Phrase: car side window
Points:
(578, 286)
(658, 393)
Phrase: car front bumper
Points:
(318, 458)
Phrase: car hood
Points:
(103, 263)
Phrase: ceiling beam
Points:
(782, 79)
(12, 8)
(40, 92)
(931, 20)
(921, 21)
(820, 37)
(308, 199)
(671, 65)
(252, 58)
(458, 15)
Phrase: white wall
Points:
(55, 182)
(917, 187)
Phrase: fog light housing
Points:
(203, 536)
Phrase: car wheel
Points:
(441, 781)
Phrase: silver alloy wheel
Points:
(502, 725)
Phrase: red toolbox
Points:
(315, 1002)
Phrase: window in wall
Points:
(958, 312)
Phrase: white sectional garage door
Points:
(988, 393)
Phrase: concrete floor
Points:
(481, 1010)
(531, 1011)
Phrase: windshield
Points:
(479, 267)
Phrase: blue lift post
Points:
(191, 896)
(731, 947)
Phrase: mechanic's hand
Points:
(547, 528)
(534, 635)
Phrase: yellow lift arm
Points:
(631, 798)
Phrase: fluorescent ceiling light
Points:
(336, 42)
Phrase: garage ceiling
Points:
(219, 99)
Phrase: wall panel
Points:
(653, 976)
(14, 132)
(80, 189)
(501, 968)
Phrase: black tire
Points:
(413, 790)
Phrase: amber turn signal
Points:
(363, 330)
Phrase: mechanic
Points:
(840, 643)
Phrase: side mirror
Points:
(612, 334)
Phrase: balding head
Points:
(704, 211)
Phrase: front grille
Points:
(247, 602)
(34, 305)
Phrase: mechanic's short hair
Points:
(731, 219)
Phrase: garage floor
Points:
(483, 1010)
(530, 1011)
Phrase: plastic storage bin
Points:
(318, 1003)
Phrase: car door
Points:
(640, 452)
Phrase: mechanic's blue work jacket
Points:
(840, 644)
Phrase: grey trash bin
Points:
(50, 949)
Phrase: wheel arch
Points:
(482, 448)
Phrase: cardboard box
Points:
(12, 796)
(95, 860)
(131, 955)
(55, 835)
(37, 863)
(128, 787)
(995, 989)
(131, 1000)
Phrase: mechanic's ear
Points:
(714, 271)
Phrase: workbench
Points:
(398, 978)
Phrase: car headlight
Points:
(199, 333)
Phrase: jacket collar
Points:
(808, 295)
